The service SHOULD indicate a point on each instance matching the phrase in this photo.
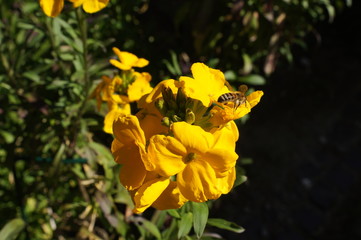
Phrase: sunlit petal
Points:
(171, 198)
(165, 155)
(127, 129)
(148, 193)
(197, 182)
(52, 8)
(194, 138)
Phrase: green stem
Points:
(82, 23)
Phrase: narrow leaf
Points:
(185, 224)
(12, 229)
(224, 224)
(200, 216)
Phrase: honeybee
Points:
(237, 97)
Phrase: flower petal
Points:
(140, 86)
(194, 138)
(198, 182)
(132, 172)
(165, 155)
(221, 160)
(127, 130)
(151, 123)
(114, 114)
(148, 193)
(226, 183)
(52, 8)
(157, 92)
(171, 198)
(92, 6)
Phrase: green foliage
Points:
(57, 176)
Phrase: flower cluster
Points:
(52, 8)
(123, 88)
(181, 145)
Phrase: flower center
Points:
(189, 157)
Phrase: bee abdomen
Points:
(226, 97)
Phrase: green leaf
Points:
(174, 213)
(8, 137)
(253, 79)
(200, 216)
(12, 229)
(247, 64)
(152, 228)
(240, 176)
(185, 224)
(224, 224)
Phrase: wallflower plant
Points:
(124, 87)
(180, 146)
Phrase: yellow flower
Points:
(201, 163)
(140, 86)
(127, 60)
(90, 6)
(206, 85)
(115, 111)
(52, 8)
(127, 148)
(228, 112)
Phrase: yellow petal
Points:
(127, 60)
(198, 182)
(206, 85)
(171, 198)
(140, 86)
(194, 138)
(132, 172)
(52, 8)
(226, 136)
(165, 155)
(77, 3)
(142, 62)
(221, 160)
(120, 65)
(151, 123)
(148, 193)
(254, 98)
(226, 183)
(127, 130)
(92, 6)
(211, 79)
(114, 114)
(157, 92)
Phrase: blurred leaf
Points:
(247, 64)
(224, 224)
(185, 224)
(230, 75)
(152, 228)
(200, 216)
(240, 176)
(8, 137)
(253, 79)
(12, 229)
(174, 213)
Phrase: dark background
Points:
(304, 139)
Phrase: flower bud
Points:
(190, 117)
(176, 118)
(161, 106)
(166, 121)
